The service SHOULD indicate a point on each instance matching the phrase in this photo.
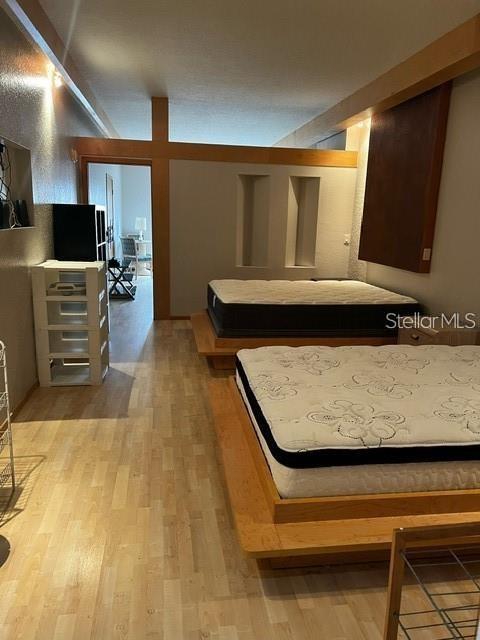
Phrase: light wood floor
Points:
(121, 528)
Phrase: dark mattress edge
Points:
(336, 320)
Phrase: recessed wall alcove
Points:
(253, 220)
(16, 190)
(303, 208)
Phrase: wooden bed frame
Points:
(334, 528)
(220, 352)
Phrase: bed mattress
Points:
(354, 420)
(329, 308)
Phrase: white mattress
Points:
(304, 292)
(362, 398)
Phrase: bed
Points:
(336, 447)
(245, 314)
(327, 308)
(356, 420)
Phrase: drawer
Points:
(66, 312)
(415, 337)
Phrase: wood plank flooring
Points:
(121, 530)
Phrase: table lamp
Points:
(140, 226)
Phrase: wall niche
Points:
(253, 220)
(16, 192)
(303, 206)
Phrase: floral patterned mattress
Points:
(363, 410)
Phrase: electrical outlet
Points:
(346, 239)
(427, 253)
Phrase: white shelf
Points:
(73, 375)
(68, 326)
(69, 354)
(70, 375)
(66, 298)
(67, 265)
(71, 327)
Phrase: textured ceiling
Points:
(241, 71)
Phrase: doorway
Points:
(110, 214)
(125, 192)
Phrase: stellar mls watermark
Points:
(442, 321)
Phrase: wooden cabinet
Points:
(438, 335)
(403, 179)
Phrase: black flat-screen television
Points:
(78, 232)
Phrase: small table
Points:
(121, 285)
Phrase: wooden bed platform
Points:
(334, 529)
(220, 352)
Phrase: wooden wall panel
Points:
(403, 180)
(161, 237)
(160, 122)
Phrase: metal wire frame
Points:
(446, 617)
(4, 440)
(7, 472)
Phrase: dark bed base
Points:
(303, 320)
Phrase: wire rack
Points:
(449, 586)
(7, 466)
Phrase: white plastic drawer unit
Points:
(68, 342)
(70, 301)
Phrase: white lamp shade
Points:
(141, 224)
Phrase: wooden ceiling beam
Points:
(114, 147)
(145, 149)
(455, 53)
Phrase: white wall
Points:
(204, 209)
(337, 141)
(453, 283)
(358, 139)
(136, 199)
(44, 121)
(97, 193)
